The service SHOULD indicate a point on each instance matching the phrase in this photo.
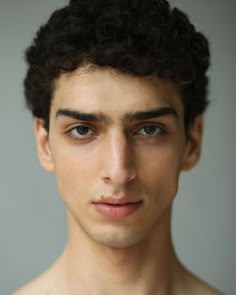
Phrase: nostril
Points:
(119, 176)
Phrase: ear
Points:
(193, 144)
(42, 141)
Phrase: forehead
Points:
(109, 91)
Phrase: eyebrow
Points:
(130, 117)
(151, 114)
(81, 116)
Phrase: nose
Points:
(117, 160)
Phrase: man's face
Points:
(117, 145)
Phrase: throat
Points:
(121, 273)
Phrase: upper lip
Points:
(117, 200)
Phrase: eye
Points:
(151, 131)
(81, 132)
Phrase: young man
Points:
(117, 90)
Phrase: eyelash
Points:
(70, 132)
(161, 131)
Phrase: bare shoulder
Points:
(199, 287)
(205, 289)
(48, 283)
(38, 286)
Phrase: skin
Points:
(117, 154)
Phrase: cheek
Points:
(159, 173)
(73, 174)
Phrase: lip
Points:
(116, 207)
(117, 200)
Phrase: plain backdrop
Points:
(32, 217)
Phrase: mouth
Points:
(115, 207)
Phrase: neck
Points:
(93, 268)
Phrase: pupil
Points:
(150, 129)
(82, 130)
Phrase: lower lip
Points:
(116, 211)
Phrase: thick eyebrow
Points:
(81, 116)
(151, 114)
(130, 117)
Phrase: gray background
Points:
(32, 218)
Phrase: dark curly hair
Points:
(139, 37)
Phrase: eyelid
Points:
(78, 124)
(69, 131)
(144, 124)
(134, 130)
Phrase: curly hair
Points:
(137, 37)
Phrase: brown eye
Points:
(81, 132)
(150, 130)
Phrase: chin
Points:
(117, 238)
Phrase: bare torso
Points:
(51, 283)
